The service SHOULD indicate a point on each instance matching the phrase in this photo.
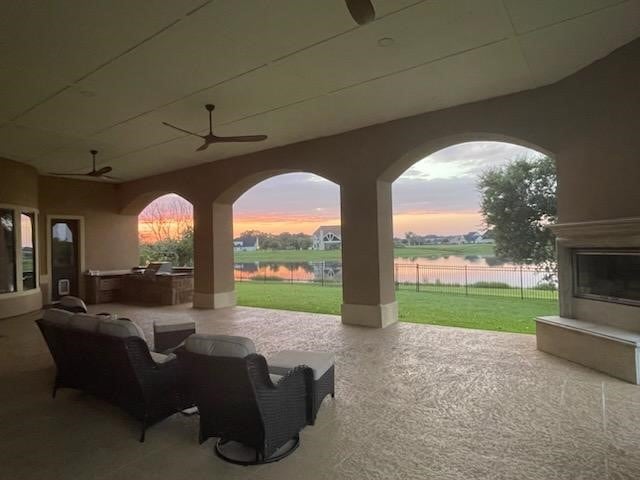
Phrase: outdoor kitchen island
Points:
(158, 284)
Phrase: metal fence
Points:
(501, 281)
(515, 281)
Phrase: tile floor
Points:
(412, 402)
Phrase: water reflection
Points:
(448, 269)
(328, 271)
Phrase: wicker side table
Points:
(167, 335)
(323, 367)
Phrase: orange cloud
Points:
(278, 223)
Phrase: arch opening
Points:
(288, 243)
(469, 223)
(165, 231)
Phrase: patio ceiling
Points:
(80, 75)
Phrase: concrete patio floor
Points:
(412, 402)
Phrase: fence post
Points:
(291, 275)
(521, 284)
(396, 280)
(322, 281)
(466, 281)
(417, 277)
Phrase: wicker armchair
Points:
(72, 304)
(240, 403)
(120, 370)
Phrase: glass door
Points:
(65, 248)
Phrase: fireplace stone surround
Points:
(596, 333)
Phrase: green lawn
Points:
(484, 313)
(484, 289)
(319, 255)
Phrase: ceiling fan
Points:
(101, 173)
(362, 11)
(211, 138)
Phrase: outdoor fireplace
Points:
(599, 295)
(607, 275)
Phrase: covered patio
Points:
(356, 105)
(412, 402)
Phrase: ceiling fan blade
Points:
(70, 174)
(102, 171)
(202, 147)
(182, 130)
(362, 11)
(109, 177)
(244, 138)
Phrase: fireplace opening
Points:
(607, 275)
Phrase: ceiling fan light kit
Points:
(362, 11)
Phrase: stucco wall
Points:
(110, 238)
(588, 121)
(19, 187)
(18, 184)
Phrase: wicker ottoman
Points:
(323, 368)
(168, 335)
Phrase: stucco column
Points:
(367, 254)
(213, 255)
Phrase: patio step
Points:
(608, 349)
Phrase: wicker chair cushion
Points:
(120, 328)
(85, 321)
(220, 345)
(175, 326)
(319, 362)
(161, 357)
(57, 316)
(73, 302)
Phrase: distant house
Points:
(477, 237)
(472, 237)
(247, 243)
(327, 237)
(485, 238)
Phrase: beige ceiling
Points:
(77, 75)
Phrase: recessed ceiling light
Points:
(386, 42)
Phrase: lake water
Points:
(452, 269)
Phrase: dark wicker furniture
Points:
(322, 387)
(168, 336)
(238, 402)
(119, 370)
(322, 381)
(71, 304)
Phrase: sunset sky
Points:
(437, 195)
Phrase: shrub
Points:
(490, 285)
(266, 278)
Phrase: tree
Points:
(518, 204)
(410, 237)
(168, 217)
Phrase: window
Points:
(18, 256)
(7, 252)
(28, 252)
